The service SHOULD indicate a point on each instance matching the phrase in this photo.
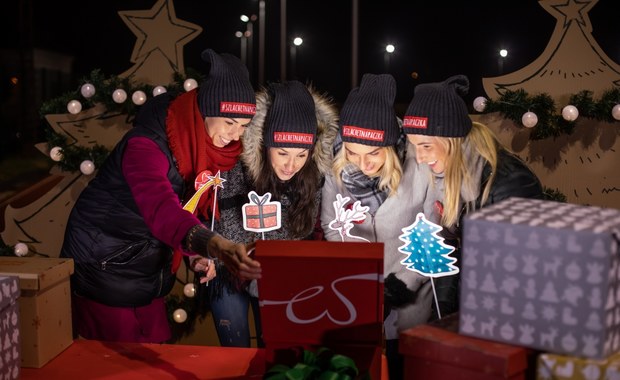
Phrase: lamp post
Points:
(243, 46)
(503, 53)
(249, 36)
(297, 41)
(389, 49)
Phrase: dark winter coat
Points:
(118, 262)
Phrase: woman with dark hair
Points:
(286, 153)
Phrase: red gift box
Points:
(322, 294)
(438, 351)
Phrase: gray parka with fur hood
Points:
(240, 179)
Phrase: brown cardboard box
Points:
(44, 306)
(9, 328)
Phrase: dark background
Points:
(433, 39)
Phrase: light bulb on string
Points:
(56, 153)
(138, 98)
(74, 107)
(529, 119)
(190, 84)
(179, 315)
(87, 167)
(87, 90)
(119, 95)
(189, 290)
(21, 249)
(158, 90)
(570, 113)
(615, 112)
(480, 103)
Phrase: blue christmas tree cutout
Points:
(426, 251)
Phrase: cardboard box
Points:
(560, 367)
(322, 294)
(544, 275)
(44, 306)
(438, 351)
(9, 328)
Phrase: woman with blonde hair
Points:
(374, 165)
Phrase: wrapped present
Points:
(44, 306)
(9, 328)
(437, 351)
(544, 275)
(560, 367)
(333, 297)
(261, 215)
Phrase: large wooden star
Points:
(571, 10)
(158, 29)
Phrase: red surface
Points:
(91, 359)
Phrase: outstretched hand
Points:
(235, 257)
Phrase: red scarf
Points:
(194, 151)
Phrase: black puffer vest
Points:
(118, 262)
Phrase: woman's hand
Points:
(202, 264)
(235, 257)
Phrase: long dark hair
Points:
(301, 190)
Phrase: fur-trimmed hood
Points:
(327, 130)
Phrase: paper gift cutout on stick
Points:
(426, 251)
(261, 215)
(345, 217)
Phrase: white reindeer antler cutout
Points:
(343, 223)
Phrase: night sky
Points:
(435, 41)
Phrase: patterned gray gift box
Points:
(544, 275)
(10, 359)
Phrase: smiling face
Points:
(224, 130)
(430, 150)
(286, 162)
(370, 159)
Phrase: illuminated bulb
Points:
(21, 249)
(119, 95)
(570, 113)
(138, 98)
(158, 90)
(189, 290)
(87, 90)
(179, 315)
(529, 119)
(190, 84)
(615, 112)
(74, 107)
(56, 153)
(87, 167)
(480, 103)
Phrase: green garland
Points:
(513, 104)
(324, 364)
(73, 155)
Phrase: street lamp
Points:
(389, 49)
(297, 41)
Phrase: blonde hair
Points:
(458, 173)
(389, 175)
